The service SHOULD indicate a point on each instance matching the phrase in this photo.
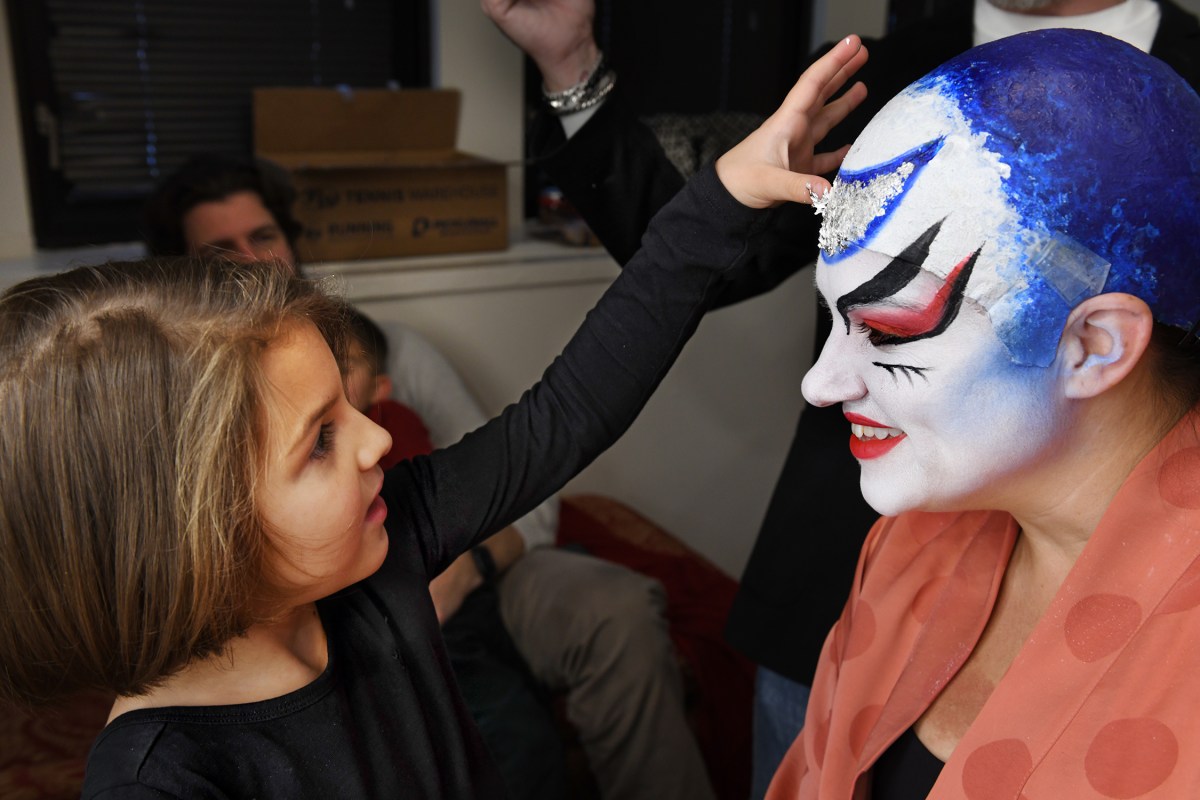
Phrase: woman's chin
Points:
(891, 500)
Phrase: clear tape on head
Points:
(1074, 271)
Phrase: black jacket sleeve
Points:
(590, 394)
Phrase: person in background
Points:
(607, 649)
(616, 173)
(369, 388)
(214, 205)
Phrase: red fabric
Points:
(410, 437)
(42, 752)
(698, 600)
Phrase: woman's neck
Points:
(269, 661)
(1064, 501)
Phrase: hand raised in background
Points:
(557, 35)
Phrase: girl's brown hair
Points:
(131, 399)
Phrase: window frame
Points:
(60, 220)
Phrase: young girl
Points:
(192, 514)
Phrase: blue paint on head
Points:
(1103, 142)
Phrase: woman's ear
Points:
(1103, 340)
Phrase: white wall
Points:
(16, 233)
(833, 19)
(474, 57)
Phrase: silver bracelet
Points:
(584, 94)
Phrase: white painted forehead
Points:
(917, 163)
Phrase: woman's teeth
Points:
(867, 432)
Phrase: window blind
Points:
(116, 94)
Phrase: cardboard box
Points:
(377, 173)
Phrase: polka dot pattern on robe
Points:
(1130, 757)
(861, 727)
(926, 597)
(1101, 624)
(820, 742)
(862, 634)
(996, 770)
(1176, 481)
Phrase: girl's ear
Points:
(1103, 340)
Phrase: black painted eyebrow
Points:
(900, 272)
(900, 275)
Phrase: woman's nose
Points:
(834, 378)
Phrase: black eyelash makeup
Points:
(904, 369)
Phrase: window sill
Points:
(526, 263)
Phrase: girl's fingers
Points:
(806, 94)
(781, 185)
(833, 113)
(844, 74)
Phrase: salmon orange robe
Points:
(1102, 701)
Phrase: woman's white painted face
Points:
(914, 246)
(977, 209)
(936, 422)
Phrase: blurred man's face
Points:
(238, 227)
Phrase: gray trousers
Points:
(596, 631)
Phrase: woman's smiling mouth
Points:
(869, 439)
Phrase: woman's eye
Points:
(324, 443)
(877, 337)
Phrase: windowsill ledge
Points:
(526, 263)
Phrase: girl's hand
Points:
(777, 162)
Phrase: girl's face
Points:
(319, 491)
(940, 417)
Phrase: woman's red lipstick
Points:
(866, 449)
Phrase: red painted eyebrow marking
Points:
(910, 323)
